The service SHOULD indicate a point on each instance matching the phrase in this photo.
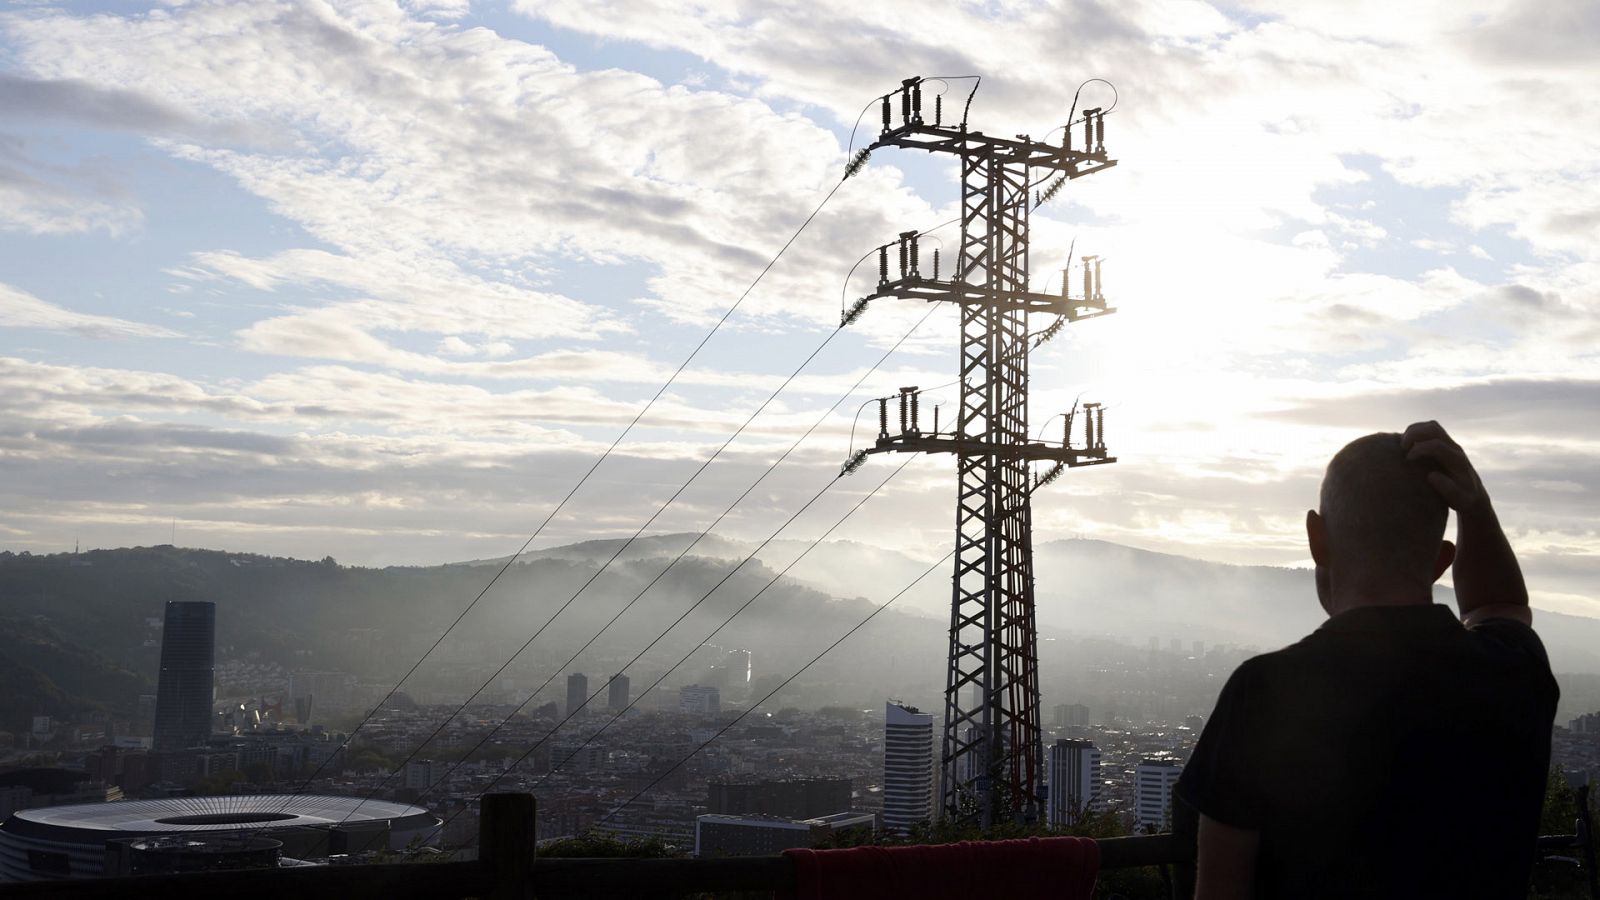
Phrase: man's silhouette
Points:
(1397, 751)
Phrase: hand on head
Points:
(1451, 473)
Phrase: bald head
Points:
(1382, 517)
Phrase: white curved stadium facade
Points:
(70, 841)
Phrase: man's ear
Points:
(1317, 537)
(1447, 555)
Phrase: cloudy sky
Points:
(382, 281)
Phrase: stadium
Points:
(56, 842)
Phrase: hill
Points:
(1099, 604)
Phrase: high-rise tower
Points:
(184, 690)
(577, 692)
(617, 693)
(992, 754)
(1074, 780)
(907, 767)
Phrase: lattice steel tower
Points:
(992, 753)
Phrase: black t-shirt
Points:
(1392, 753)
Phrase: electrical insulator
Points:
(904, 253)
(936, 418)
(905, 99)
(1100, 425)
(905, 409)
(1099, 288)
(936, 264)
(885, 112)
(915, 398)
(1088, 286)
(914, 267)
(1088, 130)
(1088, 425)
(1100, 132)
(1065, 294)
(883, 264)
(916, 102)
(883, 417)
(938, 109)
(1066, 433)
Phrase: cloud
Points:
(1557, 410)
(484, 255)
(52, 198)
(20, 309)
(83, 103)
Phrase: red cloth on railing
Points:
(1054, 868)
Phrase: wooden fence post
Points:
(506, 843)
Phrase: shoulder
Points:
(1510, 636)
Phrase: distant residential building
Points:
(576, 756)
(794, 798)
(577, 693)
(184, 689)
(1072, 715)
(699, 698)
(422, 773)
(1588, 723)
(1074, 780)
(617, 693)
(717, 835)
(907, 767)
(1153, 781)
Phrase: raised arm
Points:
(1487, 578)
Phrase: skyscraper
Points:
(577, 692)
(617, 693)
(1152, 792)
(184, 688)
(1074, 780)
(907, 767)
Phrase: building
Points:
(1072, 715)
(617, 693)
(184, 689)
(422, 774)
(1588, 723)
(907, 767)
(1153, 781)
(699, 698)
(577, 693)
(72, 841)
(792, 798)
(716, 835)
(1074, 783)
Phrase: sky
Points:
(383, 281)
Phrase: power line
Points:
(629, 605)
(725, 622)
(581, 481)
(716, 631)
(752, 708)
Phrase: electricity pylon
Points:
(992, 755)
